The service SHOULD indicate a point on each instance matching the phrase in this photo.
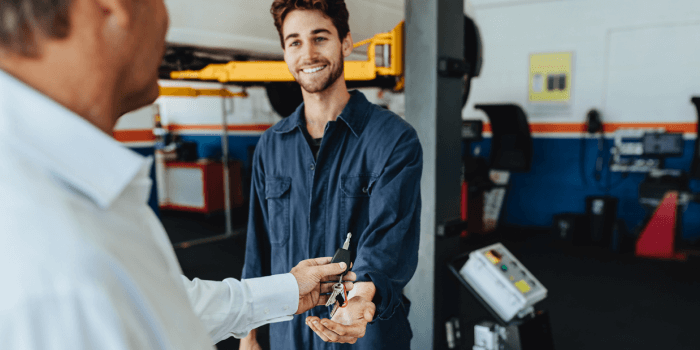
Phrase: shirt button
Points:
(364, 189)
(267, 311)
(312, 167)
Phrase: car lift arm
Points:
(384, 58)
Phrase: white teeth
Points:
(313, 70)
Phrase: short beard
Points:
(331, 78)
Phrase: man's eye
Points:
(319, 39)
(295, 43)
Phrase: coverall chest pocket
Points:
(354, 207)
(277, 193)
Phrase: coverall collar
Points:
(354, 115)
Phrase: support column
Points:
(434, 30)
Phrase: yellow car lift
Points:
(384, 58)
(192, 92)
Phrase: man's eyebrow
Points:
(320, 30)
(293, 35)
(313, 32)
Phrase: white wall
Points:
(634, 60)
(140, 119)
(206, 110)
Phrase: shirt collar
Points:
(354, 115)
(66, 145)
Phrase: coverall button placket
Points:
(312, 177)
(317, 192)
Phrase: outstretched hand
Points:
(347, 325)
(311, 273)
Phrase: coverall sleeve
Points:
(387, 251)
(232, 308)
(257, 251)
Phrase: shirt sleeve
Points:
(257, 251)
(387, 251)
(232, 308)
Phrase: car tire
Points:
(284, 97)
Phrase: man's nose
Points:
(310, 53)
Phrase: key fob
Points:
(340, 298)
(342, 255)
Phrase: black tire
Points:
(473, 53)
(284, 97)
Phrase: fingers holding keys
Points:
(309, 274)
(350, 277)
(332, 272)
(315, 262)
(327, 286)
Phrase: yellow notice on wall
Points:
(550, 77)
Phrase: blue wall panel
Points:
(556, 184)
(209, 146)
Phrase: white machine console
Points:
(502, 281)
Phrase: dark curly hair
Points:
(333, 9)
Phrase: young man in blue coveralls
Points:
(338, 164)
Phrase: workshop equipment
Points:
(485, 182)
(508, 291)
(666, 195)
(571, 228)
(601, 212)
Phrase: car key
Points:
(338, 288)
(338, 293)
(341, 255)
(340, 299)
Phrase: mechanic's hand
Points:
(250, 342)
(348, 323)
(311, 273)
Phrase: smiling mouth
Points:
(313, 70)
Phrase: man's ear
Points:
(117, 12)
(347, 45)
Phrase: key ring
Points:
(345, 292)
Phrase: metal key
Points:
(341, 255)
(341, 295)
(338, 288)
(335, 308)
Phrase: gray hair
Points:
(22, 20)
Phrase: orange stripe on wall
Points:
(546, 128)
(535, 128)
(237, 127)
(133, 135)
(670, 127)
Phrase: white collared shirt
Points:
(84, 262)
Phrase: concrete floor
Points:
(597, 300)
